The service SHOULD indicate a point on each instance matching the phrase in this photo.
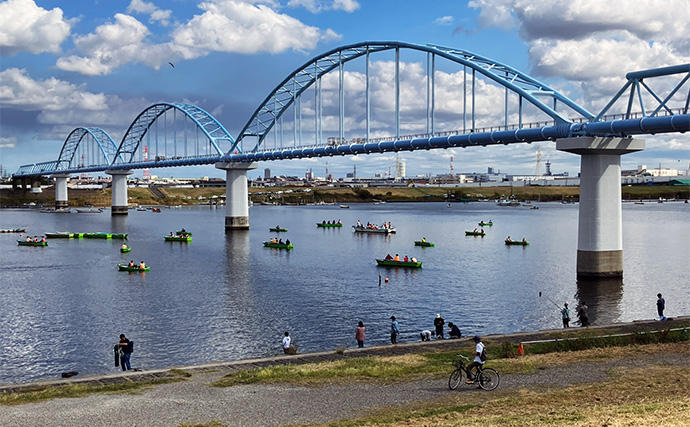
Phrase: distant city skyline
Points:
(86, 63)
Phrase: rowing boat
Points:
(13, 230)
(516, 242)
(60, 235)
(321, 224)
(423, 243)
(475, 233)
(484, 224)
(361, 229)
(183, 232)
(393, 263)
(278, 245)
(105, 236)
(124, 250)
(123, 267)
(177, 239)
(278, 230)
(24, 243)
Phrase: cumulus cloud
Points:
(444, 20)
(24, 26)
(156, 15)
(8, 142)
(242, 27)
(318, 6)
(115, 44)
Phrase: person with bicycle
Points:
(478, 351)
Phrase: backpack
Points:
(482, 356)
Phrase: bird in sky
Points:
(171, 64)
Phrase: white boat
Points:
(344, 207)
(380, 230)
(507, 201)
(89, 210)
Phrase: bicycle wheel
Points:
(455, 379)
(489, 379)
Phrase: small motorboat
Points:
(89, 210)
(344, 206)
(379, 230)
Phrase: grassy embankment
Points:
(187, 196)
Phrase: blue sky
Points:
(100, 63)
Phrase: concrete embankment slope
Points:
(388, 350)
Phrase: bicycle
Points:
(487, 378)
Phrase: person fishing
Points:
(565, 312)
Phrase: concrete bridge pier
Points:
(119, 189)
(600, 226)
(61, 190)
(236, 194)
(36, 185)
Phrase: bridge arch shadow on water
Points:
(178, 134)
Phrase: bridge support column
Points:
(61, 191)
(236, 194)
(600, 226)
(36, 185)
(119, 189)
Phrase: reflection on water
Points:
(603, 297)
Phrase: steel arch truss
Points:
(635, 86)
(105, 144)
(213, 130)
(285, 94)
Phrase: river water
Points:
(225, 296)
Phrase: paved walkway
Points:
(193, 401)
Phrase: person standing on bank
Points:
(438, 324)
(565, 311)
(126, 348)
(359, 334)
(395, 330)
(286, 342)
(582, 314)
(660, 306)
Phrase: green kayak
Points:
(423, 243)
(177, 239)
(183, 232)
(60, 235)
(483, 224)
(393, 263)
(474, 233)
(124, 250)
(105, 236)
(123, 267)
(276, 229)
(516, 242)
(25, 243)
(321, 224)
(278, 245)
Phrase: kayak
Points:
(177, 239)
(483, 224)
(321, 224)
(24, 243)
(60, 235)
(278, 229)
(393, 263)
(123, 267)
(474, 233)
(278, 245)
(516, 242)
(420, 243)
(124, 250)
(183, 232)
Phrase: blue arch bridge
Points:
(304, 117)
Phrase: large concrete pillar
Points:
(600, 227)
(119, 189)
(61, 191)
(236, 194)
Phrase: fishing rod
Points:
(559, 307)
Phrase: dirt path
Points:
(194, 401)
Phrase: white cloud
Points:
(242, 27)
(113, 45)
(494, 13)
(156, 14)
(444, 20)
(26, 27)
(8, 142)
(318, 6)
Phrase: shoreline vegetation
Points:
(175, 196)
